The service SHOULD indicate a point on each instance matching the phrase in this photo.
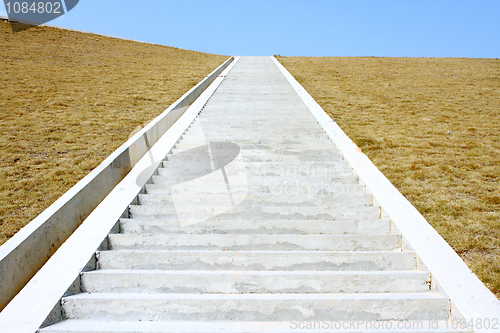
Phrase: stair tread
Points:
(263, 273)
(316, 296)
(257, 252)
(443, 326)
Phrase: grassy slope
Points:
(398, 111)
(69, 99)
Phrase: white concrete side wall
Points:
(25, 253)
(469, 296)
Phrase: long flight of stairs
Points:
(254, 223)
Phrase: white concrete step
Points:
(255, 141)
(268, 157)
(386, 326)
(256, 212)
(271, 227)
(264, 116)
(290, 169)
(253, 131)
(256, 242)
(294, 146)
(246, 282)
(309, 190)
(299, 165)
(218, 121)
(266, 141)
(308, 124)
(258, 152)
(264, 94)
(252, 137)
(256, 307)
(262, 106)
(248, 130)
(257, 115)
(257, 200)
(323, 170)
(259, 260)
(257, 94)
(271, 180)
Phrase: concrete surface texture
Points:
(255, 222)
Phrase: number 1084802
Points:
(40, 7)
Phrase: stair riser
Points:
(385, 326)
(257, 132)
(268, 142)
(238, 174)
(241, 179)
(258, 261)
(255, 242)
(244, 283)
(293, 165)
(255, 170)
(204, 116)
(131, 226)
(277, 190)
(251, 137)
(262, 108)
(242, 129)
(270, 158)
(256, 119)
(256, 94)
(255, 213)
(254, 310)
(257, 152)
(321, 139)
(325, 145)
(253, 201)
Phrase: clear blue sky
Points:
(412, 28)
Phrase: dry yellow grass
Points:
(69, 99)
(398, 111)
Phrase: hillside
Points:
(68, 99)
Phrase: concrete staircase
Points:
(255, 223)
